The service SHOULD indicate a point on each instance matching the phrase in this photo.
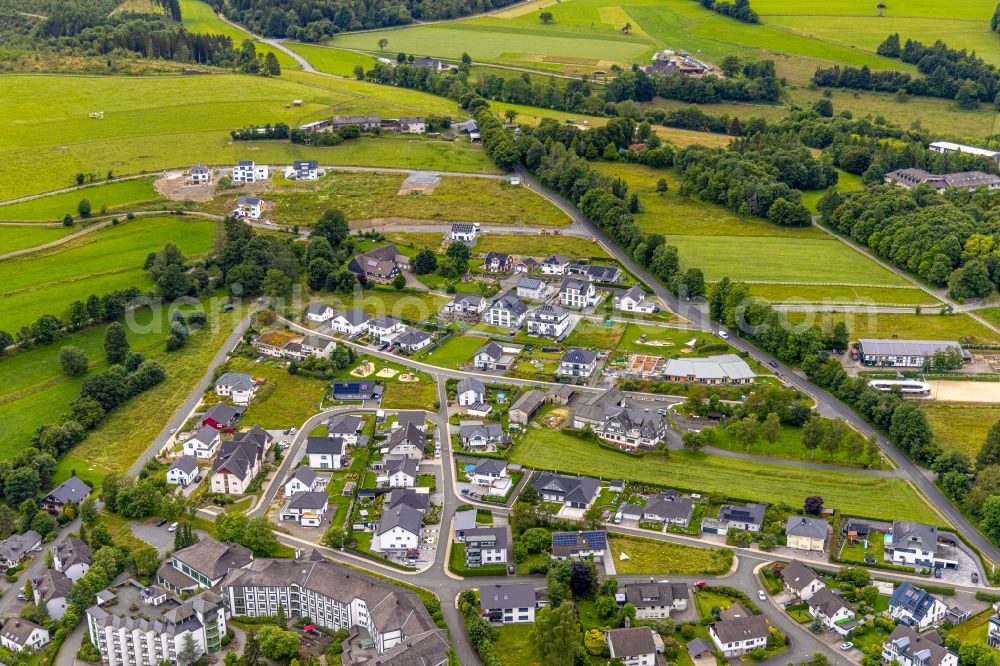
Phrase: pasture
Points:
(577, 247)
(53, 207)
(46, 282)
(843, 294)
(333, 61)
(960, 426)
(22, 237)
(904, 326)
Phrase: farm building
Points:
(905, 353)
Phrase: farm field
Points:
(768, 482)
(576, 247)
(905, 326)
(53, 208)
(961, 427)
(111, 258)
(367, 196)
(648, 556)
(22, 237)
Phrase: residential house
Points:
(576, 492)
(200, 174)
(526, 265)
(467, 126)
(252, 207)
(526, 406)
(319, 312)
(596, 272)
(485, 546)
(50, 591)
(800, 581)
(740, 635)
(498, 262)
(72, 557)
(592, 409)
(413, 340)
(347, 427)
(548, 321)
(398, 473)
(400, 530)
(744, 518)
(512, 603)
(463, 521)
(325, 452)
(632, 428)
(915, 607)
(384, 329)
(246, 171)
(366, 122)
(239, 462)
(633, 299)
(18, 634)
(275, 343)
(506, 311)
(464, 232)
(136, 625)
(316, 345)
(237, 386)
(302, 480)
(584, 545)
(496, 356)
(918, 545)
(993, 630)
(577, 293)
(203, 444)
(906, 647)
(380, 264)
(654, 601)
(555, 265)
(466, 305)
(221, 416)
(408, 441)
(70, 492)
(531, 289)
(831, 611)
(16, 547)
(470, 391)
(578, 362)
(412, 417)
(668, 508)
(350, 391)
(478, 435)
(430, 63)
(182, 471)
(304, 170)
(202, 565)
(806, 533)
(488, 472)
(353, 322)
(306, 508)
(634, 646)
(387, 624)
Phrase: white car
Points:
(761, 595)
(846, 646)
(723, 335)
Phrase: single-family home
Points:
(485, 546)
(631, 428)
(353, 322)
(548, 321)
(800, 581)
(744, 518)
(384, 328)
(429, 63)
(531, 289)
(578, 362)
(740, 635)
(496, 356)
(306, 508)
(831, 611)
(478, 435)
(576, 492)
(488, 472)
(319, 312)
(72, 557)
(380, 264)
(182, 471)
(202, 565)
(252, 207)
(351, 391)
(915, 607)
(347, 427)
(596, 272)
(512, 603)
(303, 170)
(237, 386)
(555, 265)
(200, 174)
(577, 292)
(51, 590)
(526, 265)
(906, 647)
(408, 441)
(72, 491)
(470, 391)
(467, 126)
(464, 232)
(918, 545)
(806, 533)
(654, 601)
(633, 299)
(400, 529)
(14, 548)
(526, 406)
(592, 409)
(246, 171)
(584, 545)
(463, 521)
(203, 444)
(634, 646)
(506, 311)
(498, 262)
(325, 452)
(669, 508)
(221, 416)
(466, 304)
(398, 473)
(410, 417)
(238, 463)
(413, 340)
(18, 634)
(302, 480)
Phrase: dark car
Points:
(937, 572)
(975, 577)
(869, 559)
(773, 364)
(510, 569)
(161, 522)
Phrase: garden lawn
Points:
(706, 600)
(513, 646)
(857, 552)
(23, 237)
(456, 564)
(53, 207)
(47, 282)
(676, 337)
(284, 400)
(454, 353)
(888, 498)
(575, 247)
(414, 395)
(593, 335)
(904, 326)
(974, 629)
(961, 427)
(649, 556)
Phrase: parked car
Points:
(975, 577)
(161, 522)
(700, 583)
(198, 478)
(937, 572)
(723, 335)
(465, 491)
(511, 569)
(21, 597)
(761, 595)
(172, 528)
(292, 431)
(846, 646)
(869, 559)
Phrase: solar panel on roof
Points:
(596, 539)
(563, 539)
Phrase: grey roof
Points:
(72, 489)
(906, 534)
(301, 165)
(71, 551)
(248, 201)
(239, 457)
(631, 642)
(15, 546)
(595, 407)
(905, 347)
(742, 628)
(500, 257)
(529, 402)
(407, 497)
(573, 283)
(573, 488)
(244, 163)
(601, 273)
(720, 366)
(221, 412)
(495, 535)
(471, 429)
(233, 379)
(529, 283)
(317, 308)
(798, 576)
(925, 649)
(510, 301)
(510, 595)
(827, 603)
(471, 384)
(404, 464)
(915, 601)
(700, 646)
(469, 297)
(804, 526)
(634, 292)
(355, 316)
(643, 595)
(309, 500)
(325, 445)
(579, 356)
(670, 507)
(749, 513)
(412, 417)
(52, 585)
(317, 341)
(408, 435)
(186, 464)
(491, 349)
(403, 516)
(464, 520)
(199, 168)
(205, 435)
(426, 649)
(383, 321)
(344, 424)
(555, 259)
(213, 558)
(547, 311)
(490, 466)
(19, 630)
(413, 336)
(304, 474)
(463, 227)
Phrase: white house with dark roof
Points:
(400, 529)
(203, 564)
(408, 441)
(200, 174)
(237, 386)
(72, 558)
(654, 601)
(800, 581)
(633, 299)
(14, 548)
(414, 417)
(304, 170)
(916, 607)
(906, 647)
(51, 590)
(470, 391)
(353, 322)
(669, 508)
(203, 444)
(576, 492)
(634, 646)
(398, 473)
(511, 603)
(831, 611)
(182, 471)
(384, 328)
(325, 452)
(506, 311)
(347, 427)
(577, 292)
(548, 321)
(578, 362)
(413, 340)
(631, 428)
(743, 517)
(479, 435)
(739, 635)
(306, 508)
(466, 304)
(302, 480)
(555, 265)
(18, 634)
(917, 544)
(488, 472)
(531, 289)
(246, 171)
(596, 272)
(498, 262)
(496, 356)
(252, 207)
(464, 232)
(319, 312)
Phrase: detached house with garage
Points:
(380, 264)
(831, 611)
(548, 321)
(498, 262)
(655, 601)
(915, 607)
(303, 480)
(384, 329)
(413, 340)
(739, 635)
(221, 416)
(577, 362)
(470, 391)
(555, 265)
(743, 518)
(577, 292)
(800, 581)
(668, 508)
(408, 441)
(906, 647)
(807, 533)
(577, 492)
(183, 471)
(632, 429)
(488, 472)
(237, 386)
(477, 435)
(466, 305)
(398, 473)
(306, 508)
(506, 311)
(203, 444)
(583, 545)
(513, 603)
(633, 299)
(325, 452)
(319, 312)
(353, 322)
(347, 427)
(918, 545)
(531, 289)
(496, 356)
(72, 491)
(464, 232)
(399, 530)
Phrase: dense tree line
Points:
(739, 10)
(254, 133)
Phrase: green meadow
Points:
(198, 16)
(22, 237)
(55, 206)
(334, 61)
(904, 326)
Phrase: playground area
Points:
(365, 369)
(387, 373)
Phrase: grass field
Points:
(374, 195)
(414, 395)
(789, 446)
(334, 61)
(843, 294)
(864, 495)
(23, 237)
(54, 207)
(514, 646)
(284, 400)
(961, 427)
(673, 339)
(576, 247)
(455, 352)
(904, 326)
(198, 16)
(593, 335)
(647, 556)
(112, 258)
